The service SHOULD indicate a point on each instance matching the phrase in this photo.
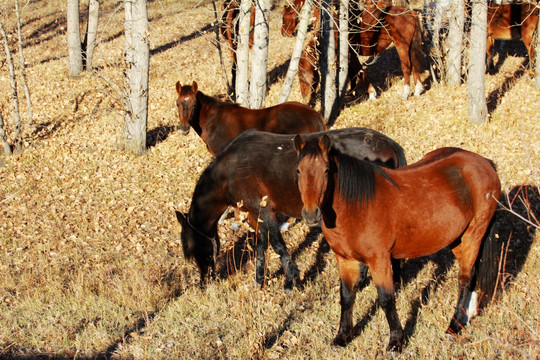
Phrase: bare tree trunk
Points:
(537, 57)
(93, 17)
(137, 56)
(14, 96)
(297, 51)
(455, 42)
(23, 66)
(74, 38)
(242, 54)
(477, 63)
(327, 60)
(5, 144)
(257, 86)
(343, 49)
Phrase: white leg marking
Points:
(472, 306)
(406, 92)
(418, 88)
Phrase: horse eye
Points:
(298, 171)
(326, 171)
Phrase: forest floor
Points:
(90, 252)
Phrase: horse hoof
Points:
(341, 341)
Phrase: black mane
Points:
(356, 178)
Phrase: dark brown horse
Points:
(217, 122)
(511, 21)
(256, 165)
(371, 215)
(379, 27)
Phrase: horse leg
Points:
(381, 272)
(527, 38)
(489, 55)
(261, 244)
(466, 253)
(292, 274)
(405, 60)
(350, 273)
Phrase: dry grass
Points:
(90, 256)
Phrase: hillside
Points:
(90, 252)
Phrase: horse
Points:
(217, 122)
(511, 21)
(371, 215)
(380, 25)
(258, 165)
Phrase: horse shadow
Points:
(158, 135)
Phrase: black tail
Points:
(488, 263)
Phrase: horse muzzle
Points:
(184, 129)
(312, 218)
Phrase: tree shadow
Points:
(202, 31)
(494, 97)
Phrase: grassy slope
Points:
(89, 247)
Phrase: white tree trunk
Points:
(3, 140)
(537, 56)
(14, 96)
(297, 51)
(343, 48)
(137, 56)
(257, 86)
(327, 61)
(74, 38)
(455, 42)
(93, 16)
(477, 63)
(242, 54)
(23, 66)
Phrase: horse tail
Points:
(486, 273)
(416, 48)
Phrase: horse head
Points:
(313, 171)
(186, 103)
(202, 248)
(290, 18)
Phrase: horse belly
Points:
(428, 233)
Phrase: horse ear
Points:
(299, 143)
(194, 87)
(325, 143)
(182, 218)
(178, 86)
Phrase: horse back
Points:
(434, 202)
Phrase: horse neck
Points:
(207, 205)
(204, 112)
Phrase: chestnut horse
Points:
(217, 122)
(371, 215)
(257, 165)
(379, 27)
(511, 21)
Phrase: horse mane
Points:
(356, 177)
(202, 98)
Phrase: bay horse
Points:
(371, 215)
(258, 165)
(380, 25)
(217, 122)
(511, 21)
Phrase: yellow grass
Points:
(90, 256)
